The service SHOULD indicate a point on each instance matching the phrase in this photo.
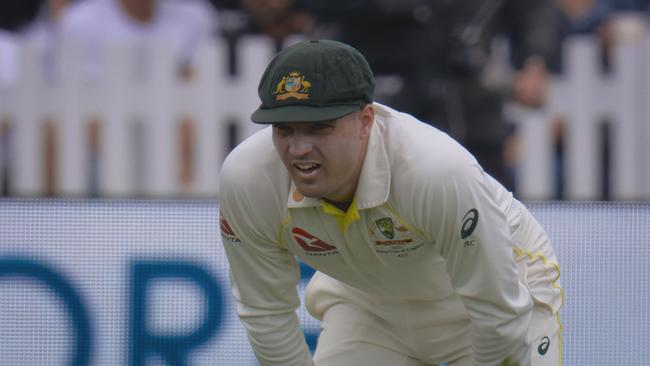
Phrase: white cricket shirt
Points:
(426, 225)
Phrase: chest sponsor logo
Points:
(310, 243)
(226, 231)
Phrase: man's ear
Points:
(367, 117)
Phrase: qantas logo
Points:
(226, 230)
(310, 243)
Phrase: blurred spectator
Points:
(577, 17)
(181, 25)
(274, 18)
(611, 21)
(8, 57)
(38, 26)
(629, 5)
(437, 54)
(96, 25)
(581, 16)
(15, 14)
(277, 19)
(34, 23)
(46, 21)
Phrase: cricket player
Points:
(421, 257)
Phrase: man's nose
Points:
(299, 145)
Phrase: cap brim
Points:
(302, 113)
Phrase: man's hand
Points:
(531, 83)
(509, 362)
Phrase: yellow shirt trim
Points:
(283, 224)
(343, 219)
(519, 252)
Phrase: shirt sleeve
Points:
(476, 242)
(263, 281)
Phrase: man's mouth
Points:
(306, 168)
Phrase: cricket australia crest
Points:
(391, 235)
(293, 85)
(386, 227)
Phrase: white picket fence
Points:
(139, 119)
(137, 115)
(584, 97)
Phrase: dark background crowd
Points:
(435, 59)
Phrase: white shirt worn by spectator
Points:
(8, 57)
(40, 34)
(97, 25)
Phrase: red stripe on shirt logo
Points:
(309, 242)
(226, 230)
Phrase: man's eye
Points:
(321, 127)
(284, 130)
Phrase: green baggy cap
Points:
(314, 81)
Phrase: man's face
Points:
(325, 159)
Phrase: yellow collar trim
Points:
(344, 219)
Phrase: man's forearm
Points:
(277, 340)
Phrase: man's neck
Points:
(139, 10)
(343, 206)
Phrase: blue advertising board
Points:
(119, 282)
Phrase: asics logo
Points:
(469, 223)
(543, 347)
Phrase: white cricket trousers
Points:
(354, 334)
(351, 336)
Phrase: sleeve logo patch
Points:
(470, 220)
(226, 231)
(543, 346)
